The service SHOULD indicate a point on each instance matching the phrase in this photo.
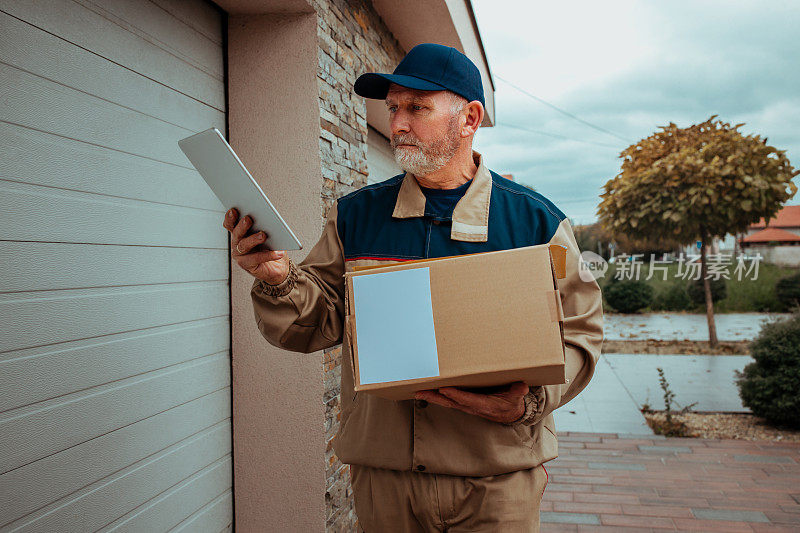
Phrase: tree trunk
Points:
(712, 327)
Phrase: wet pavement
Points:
(604, 406)
(684, 326)
(705, 379)
(622, 383)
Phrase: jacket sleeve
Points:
(583, 333)
(305, 313)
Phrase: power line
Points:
(578, 200)
(555, 135)
(567, 113)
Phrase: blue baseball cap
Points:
(427, 67)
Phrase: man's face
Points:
(425, 128)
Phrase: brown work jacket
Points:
(305, 313)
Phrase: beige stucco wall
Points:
(781, 255)
(279, 475)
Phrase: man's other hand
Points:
(505, 405)
(270, 266)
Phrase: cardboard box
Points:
(496, 318)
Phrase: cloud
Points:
(631, 67)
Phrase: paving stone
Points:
(733, 515)
(651, 510)
(639, 436)
(707, 526)
(559, 528)
(582, 507)
(623, 520)
(763, 459)
(773, 528)
(617, 466)
(664, 449)
(569, 518)
(779, 517)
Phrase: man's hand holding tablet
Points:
(270, 266)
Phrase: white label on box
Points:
(394, 326)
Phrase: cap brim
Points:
(375, 85)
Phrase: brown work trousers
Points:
(388, 501)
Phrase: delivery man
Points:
(450, 460)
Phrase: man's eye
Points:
(417, 107)
(392, 108)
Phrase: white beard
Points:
(424, 159)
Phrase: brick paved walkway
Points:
(607, 482)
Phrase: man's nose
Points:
(399, 124)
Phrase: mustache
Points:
(397, 140)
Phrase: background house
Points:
(788, 218)
(775, 246)
(777, 240)
(135, 388)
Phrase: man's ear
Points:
(473, 113)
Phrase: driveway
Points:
(607, 482)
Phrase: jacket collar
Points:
(471, 214)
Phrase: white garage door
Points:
(380, 159)
(114, 281)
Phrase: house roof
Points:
(772, 234)
(787, 217)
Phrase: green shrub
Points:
(671, 298)
(628, 296)
(697, 294)
(787, 291)
(769, 386)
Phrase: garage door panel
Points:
(71, 22)
(42, 318)
(45, 55)
(167, 32)
(201, 16)
(29, 266)
(128, 492)
(61, 369)
(43, 105)
(211, 518)
(99, 170)
(53, 215)
(115, 388)
(73, 477)
(85, 415)
(161, 512)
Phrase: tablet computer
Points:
(227, 176)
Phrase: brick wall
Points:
(352, 40)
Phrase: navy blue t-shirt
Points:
(439, 203)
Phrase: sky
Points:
(628, 68)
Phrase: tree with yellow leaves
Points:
(693, 184)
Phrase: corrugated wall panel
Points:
(115, 407)
(122, 44)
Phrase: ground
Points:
(624, 478)
(743, 426)
(610, 482)
(685, 347)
